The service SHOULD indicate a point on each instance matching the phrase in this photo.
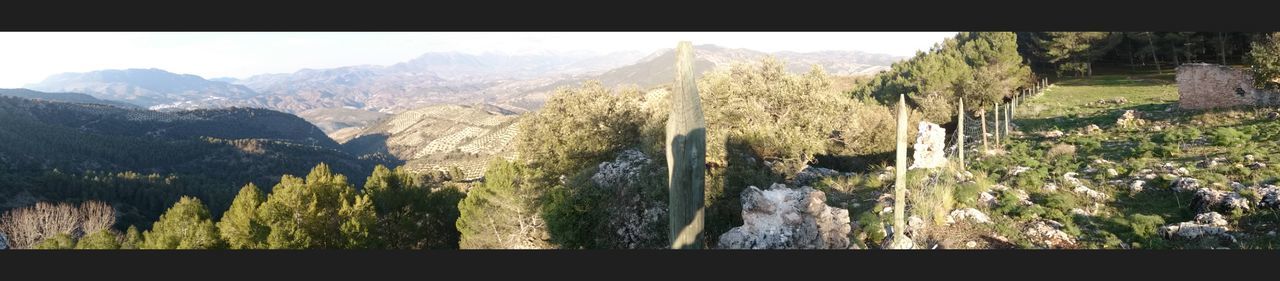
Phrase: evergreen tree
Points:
(1076, 51)
(502, 212)
(132, 239)
(402, 208)
(60, 241)
(310, 214)
(186, 225)
(105, 239)
(1264, 60)
(240, 226)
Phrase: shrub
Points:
(1228, 137)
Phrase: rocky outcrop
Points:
(1270, 197)
(811, 174)
(635, 220)
(1206, 200)
(929, 145)
(4, 242)
(786, 218)
(1210, 223)
(1186, 184)
(1049, 234)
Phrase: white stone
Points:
(929, 146)
(967, 214)
(785, 218)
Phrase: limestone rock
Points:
(1092, 129)
(811, 174)
(967, 214)
(1186, 184)
(986, 199)
(785, 218)
(1206, 200)
(1049, 234)
(635, 221)
(929, 146)
(1052, 134)
(1270, 197)
(1210, 223)
(1137, 186)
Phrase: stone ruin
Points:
(785, 218)
(929, 147)
(1204, 86)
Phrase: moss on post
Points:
(686, 155)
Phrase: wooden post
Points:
(1008, 116)
(996, 132)
(686, 156)
(960, 134)
(900, 178)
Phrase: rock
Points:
(1050, 187)
(971, 244)
(929, 146)
(1206, 200)
(1137, 186)
(1130, 118)
(1079, 211)
(1092, 129)
(1270, 197)
(811, 174)
(914, 225)
(785, 218)
(1186, 184)
(967, 214)
(1049, 234)
(1210, 223)
(1257, 165)
(4, 242)
(1248, 158)
(1090, 192)
(986, 199)
(635, 221)
(1052, 134)
(904, 244)
(1112, 172)
(1273, 115)
(1018, 170)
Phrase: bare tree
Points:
(96, 216)
(24, 227)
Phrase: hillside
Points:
(254, 143)
(63, 97)
(340, 123)
(153, 88)
(441, 137)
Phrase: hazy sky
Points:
(29, 57)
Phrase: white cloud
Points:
(29, 57)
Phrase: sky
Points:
(29, 57)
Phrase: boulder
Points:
(1270, 197)
(4, 242)
(1186, 184)
(1206, 200)
(786, 218)
(1130, 118)
(636, 221)
(929, 146)
(1137, 186)
(1210, 223)
(986, 199)
(967, 214)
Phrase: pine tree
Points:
(310, 215)
(186, 225)
(402, 208)
(60, 241)
(502, 212)
(105, 239)
(132, 239)
(240, 226)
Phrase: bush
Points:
(1228, 137)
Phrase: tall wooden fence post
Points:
(686, 155)
(960, 134)
(900, 239)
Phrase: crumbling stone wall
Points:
(1204, 86)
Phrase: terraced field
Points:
(441, 138)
